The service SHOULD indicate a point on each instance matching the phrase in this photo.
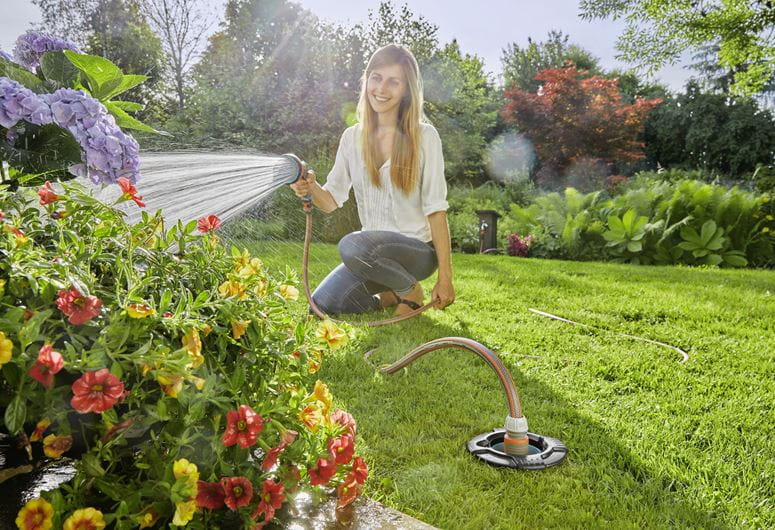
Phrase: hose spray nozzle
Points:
(297, 170)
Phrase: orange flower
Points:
(37, 514)
(311, 417)
(332, 334)
(129, 192)
(170, 384)
(208, 224)
(47, 194)
(233, 288)
(238, 328)
(139, 310)
(40, 428)
(347, 491)
(54, 446)
(85, 519)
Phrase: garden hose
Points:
(515, 441)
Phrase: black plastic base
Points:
(544, 451)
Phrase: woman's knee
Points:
(355, 251)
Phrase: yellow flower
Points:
(37, 514)
(207, 329)
(198, 382)
(147, 518)
(2, 286)
(323, 396)
(313, 365)
(311, 416)
(184, 512)
(238, 328)
(289, 292)
(193, 345)
(260, 288)
(54, 446)
(140, 310)
(332, 334)
(6, 349)
(170, 384)
(231, 288)
(247, 267)
(85, 519)
(183, 468)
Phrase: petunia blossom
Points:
(79, 308)
(129, 192)
(360, 470)
(55, 446)
(347, 491)
(96, 391)
(321, 473)
(242, 426)
(208, 224)
(85, 519)
(37, 514)
(210, 495)
(271, 456)
(238, 492)
(47, 194)
(272, 498)
(40, 429)
(47, 365)
(341, 449)
(344, 419)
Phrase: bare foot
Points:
(387, 299)
(415, 296)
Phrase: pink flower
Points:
(47, 194)
(242, 426)
(79, 308)
(49, 363)
(208, 224)
(130, 192)
(272, 498)
(344, 419)
(341, 449)
(238, 492)
(360, 470)
(96, 391)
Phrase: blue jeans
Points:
(374, 261)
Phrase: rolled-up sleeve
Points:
(434, 185)
(339, 180)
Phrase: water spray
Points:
(513, 446)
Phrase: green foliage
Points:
(715, 133)
(520, 65)
(658, 31)
(190, 329)
(651, 221)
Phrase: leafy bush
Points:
(177, 380)
(652, 221)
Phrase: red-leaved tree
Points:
(577, 124)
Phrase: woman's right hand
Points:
(303, 187)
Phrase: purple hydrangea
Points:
(31, 46)
(107, 153)
(6, 56)
(18, 103)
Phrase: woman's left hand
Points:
(443, 294)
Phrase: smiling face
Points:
(386, 87)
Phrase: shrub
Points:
(176, 380)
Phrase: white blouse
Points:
(387, 208)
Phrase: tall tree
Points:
(520, 65)
(67, 19)
(182, 27)
(659, 31)
(391, 25)
(572, 120)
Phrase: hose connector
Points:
(515, 440)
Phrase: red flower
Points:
(208, 224)
(130, 192)
(272, 498)
(360, 470)
(79, 308)
(96, 391)
(237, 492)
(49, 363)
(242, 426)
(322, 472)
(47, 195)
(344, 419)
(210, 495)
(347, 491)
(271, 456)
(341, 449)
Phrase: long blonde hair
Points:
(405, 154)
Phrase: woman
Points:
(392, 159)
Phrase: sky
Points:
(482, 27)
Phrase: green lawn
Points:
(653, 442)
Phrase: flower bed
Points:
(178, 381)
